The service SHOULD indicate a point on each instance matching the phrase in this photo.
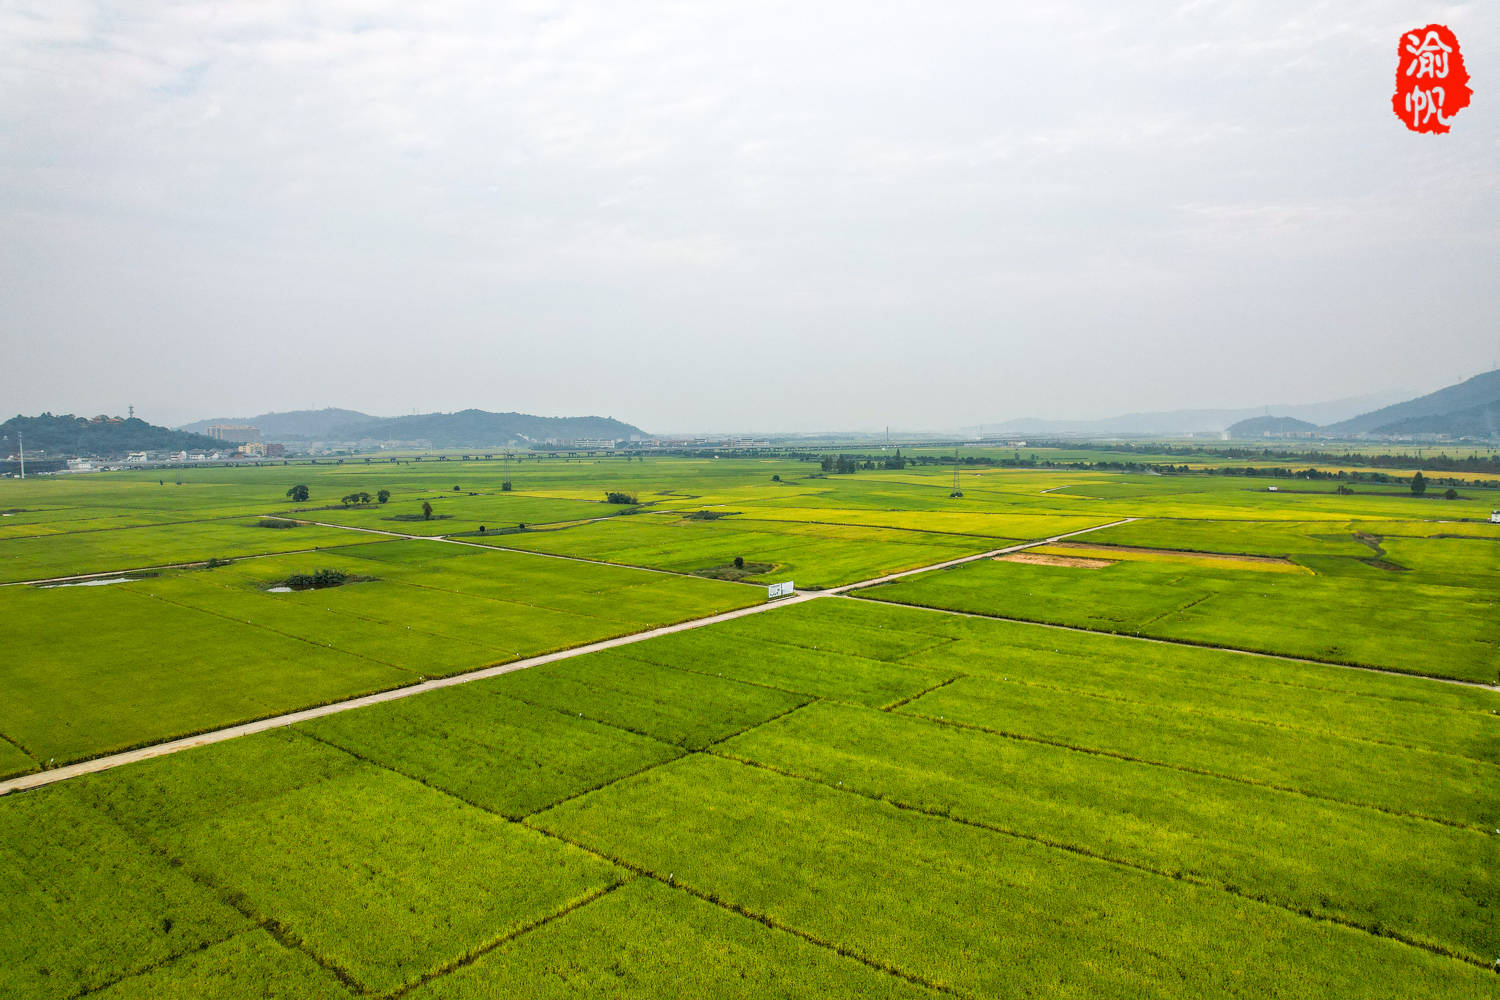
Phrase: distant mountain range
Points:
(1180, 422)
(64, 435)
(464, 429)
(1469, 409)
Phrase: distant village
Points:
(244, 442)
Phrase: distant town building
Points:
(246, 433)
(275, 450)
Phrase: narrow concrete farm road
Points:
(105, 763)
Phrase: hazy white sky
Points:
(764, 215)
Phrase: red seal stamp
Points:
(1431, 83)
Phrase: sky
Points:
(706, 216)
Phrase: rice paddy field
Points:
(1152, 736)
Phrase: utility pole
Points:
(956, 490)
(21, 444)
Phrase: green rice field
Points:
(1218, 741)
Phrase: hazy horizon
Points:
(777, 220)
(1377, 399)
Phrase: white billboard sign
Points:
(775, 590)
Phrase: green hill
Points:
(1481, 421)
(64, 435)
(308, 424)
(1270, 426)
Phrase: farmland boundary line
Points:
(1375, 930)
(595, 720)
(528, 552)
(1177, 611)
(1479, 829)
(231, 898)
(843, 951)
(1287, 657)
(274, 631)
(719, 675)
(636, 870)
(1119, 699)
(170, 960)
(903, 702)
(37, 760)
(489, 946)
(196, 564)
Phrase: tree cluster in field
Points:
(847, 464)
(619, 496)
(1417, 484)
(831, 464)
(350, 499)
(321, 580)
(839, 464)
(1442, 462)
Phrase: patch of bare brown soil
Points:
(1226, 556)
(1037, 559)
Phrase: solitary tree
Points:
(299, 493)
(1452, 494)
(739, 562)
(383, 496)
(426, 511)
(1418, 485)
